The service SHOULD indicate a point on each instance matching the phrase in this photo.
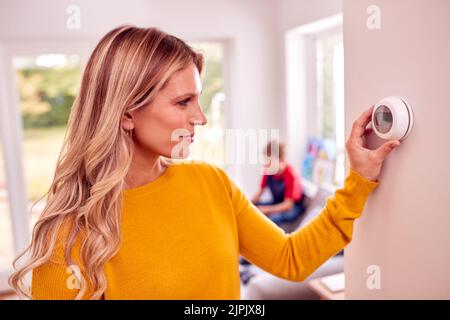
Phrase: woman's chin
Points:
(178, 153)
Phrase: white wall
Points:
(405, 227)
(248, 27)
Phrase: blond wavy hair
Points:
(124, 72)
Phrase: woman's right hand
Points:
(364, 161)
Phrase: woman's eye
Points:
(184, 102)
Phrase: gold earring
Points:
(130, 133)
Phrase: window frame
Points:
(301, 80)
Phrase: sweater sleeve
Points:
(55, 279)
(296, 255)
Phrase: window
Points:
(47, 85)
(330, 100)
(315, 100)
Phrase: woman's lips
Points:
(190, 138)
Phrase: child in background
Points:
(284, 185)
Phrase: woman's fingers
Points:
(359, 126)
(368, 131)
(383, 151)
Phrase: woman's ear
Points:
(127, 122)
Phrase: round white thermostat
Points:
(392, 118)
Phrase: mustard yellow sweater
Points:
(183, 233)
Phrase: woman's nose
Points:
(199, 118)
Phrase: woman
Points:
(122, 222)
